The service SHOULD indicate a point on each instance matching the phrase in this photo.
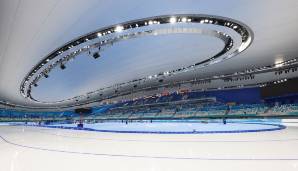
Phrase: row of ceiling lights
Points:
(119, 28)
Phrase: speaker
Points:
(62, 66)
(96, 55)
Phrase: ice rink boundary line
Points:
(147, 157)
(170, 141)
(166, 141)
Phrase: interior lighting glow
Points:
(173, 20)
(119, 28)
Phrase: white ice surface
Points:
(34, 148)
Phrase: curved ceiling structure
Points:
(156, 26)
(74, 52)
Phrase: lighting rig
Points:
(171, 24)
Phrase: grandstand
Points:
(190, 105)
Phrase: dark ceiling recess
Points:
(281, 89)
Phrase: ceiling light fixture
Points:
(119, 28)
(173, 20)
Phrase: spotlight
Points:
(173, 20)
(62, 66)
(184, 19)
(119, 28)
(96, 55)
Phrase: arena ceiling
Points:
(30, 30)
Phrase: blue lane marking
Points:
(45, 131)
(277, 127)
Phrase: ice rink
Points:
(30, 148)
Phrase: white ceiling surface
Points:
(30, 29)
